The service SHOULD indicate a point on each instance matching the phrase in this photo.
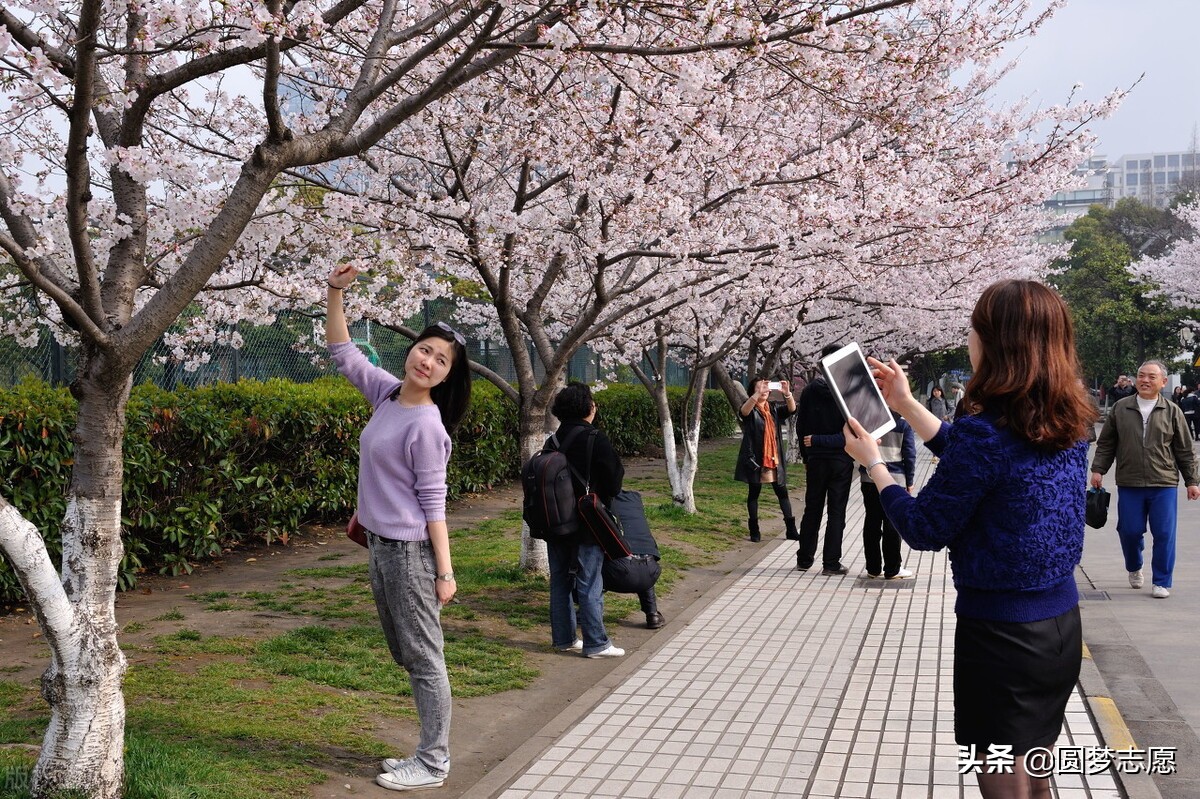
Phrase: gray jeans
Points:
(402, 580)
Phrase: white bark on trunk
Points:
(688, 468)
(83, 750)
(681, 472)
(680, 491)
(84, 745)
(533, 551)
(84, 742)
(691, 439)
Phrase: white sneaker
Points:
(410, 774)
(1159, 592)
(1135, 579)
(611, 652)
(393, 763)
(903, 574)
(575, 647)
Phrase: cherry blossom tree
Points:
(572, 167)
(1177, 271)
(159, 157)
(581, 196)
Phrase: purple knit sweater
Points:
(402, 458)
(1011, 516)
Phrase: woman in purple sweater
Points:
(403, 454)
(1007, 499)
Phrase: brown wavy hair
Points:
(1028, 370)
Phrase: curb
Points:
(1114, 732)
(499, 778)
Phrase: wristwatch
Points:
(448, 577)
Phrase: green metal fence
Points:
(289, 349)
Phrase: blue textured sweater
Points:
(1011, 516)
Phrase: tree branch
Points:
(78, 173)
(708, 47)
(26, 552)
(25, 36)
(276, 130)
(219, 62)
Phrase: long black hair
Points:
(452, 395)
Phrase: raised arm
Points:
(336, 331)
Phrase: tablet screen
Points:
(851, 378)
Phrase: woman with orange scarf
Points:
(761, 460)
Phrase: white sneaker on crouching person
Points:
(611, 652)
(575, 647)
(1160, 593)
(1135, 579)
(408, 774)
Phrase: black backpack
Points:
(549, 503)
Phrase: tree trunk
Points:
(531, 437)
(681, 473)
(83, 750)
(691, 440)
(679, 492)
(734, 391)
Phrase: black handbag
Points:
(1096, 513)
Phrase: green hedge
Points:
(627, 415)
(207, 468)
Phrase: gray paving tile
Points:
(850, 695)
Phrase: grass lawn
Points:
(270, 715)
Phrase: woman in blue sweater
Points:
(1007, 499)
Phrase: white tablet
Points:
(856, 391)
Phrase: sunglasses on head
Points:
(457, 336)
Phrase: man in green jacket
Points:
(1148, 437)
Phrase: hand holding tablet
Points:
(855, 390)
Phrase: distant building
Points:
(1154, 178)
(1067, 206)
(1151, 178)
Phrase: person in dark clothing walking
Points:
(1190, 404)
(829, 471)
(761, 459)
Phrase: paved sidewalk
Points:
(787, 684)
(1147, 649)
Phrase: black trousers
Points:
(827, 482)
(648, 601)
(879, 536)
(781, 493)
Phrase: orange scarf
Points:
(770, 459)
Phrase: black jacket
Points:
(750, 457)
(1116, 393)
(819, 416)
(606, 469)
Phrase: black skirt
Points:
(1012, 680)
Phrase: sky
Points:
(1108, 44)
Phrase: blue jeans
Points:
(574, 581)
(402, 580)
(1136, 506)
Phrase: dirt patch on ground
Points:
(485, 730)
